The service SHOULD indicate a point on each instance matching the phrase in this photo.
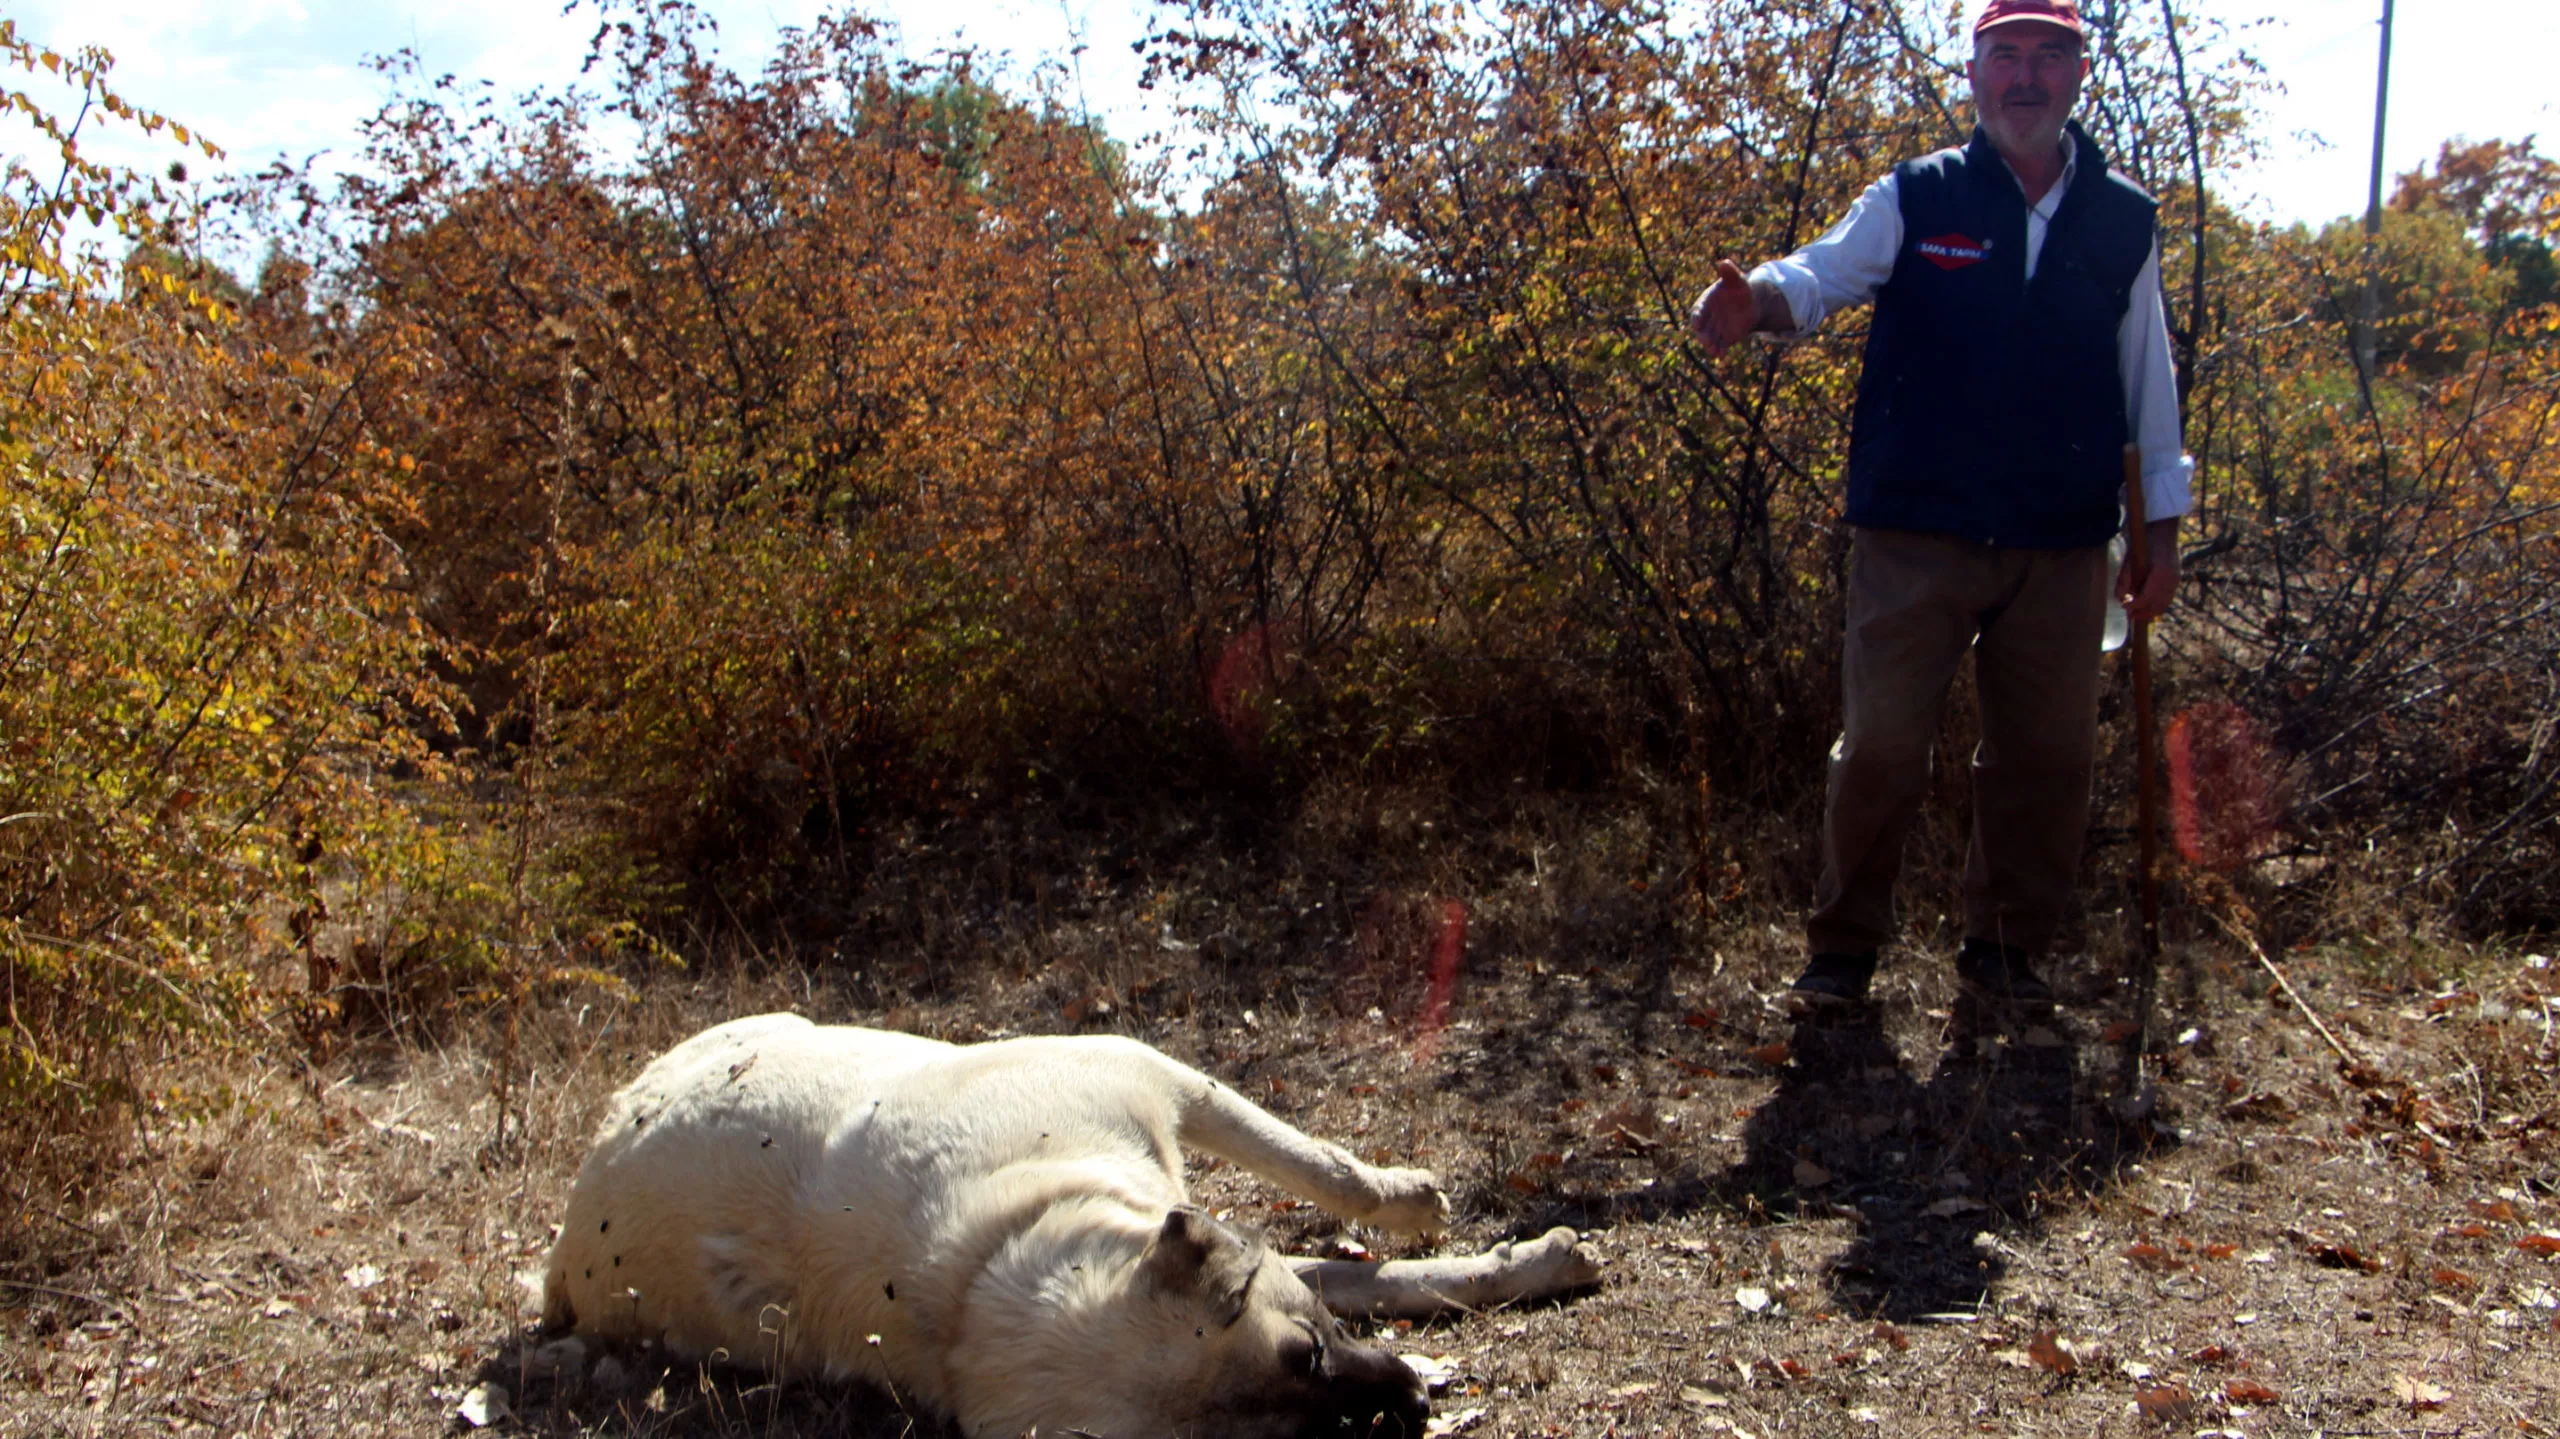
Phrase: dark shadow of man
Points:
(2006, 1124)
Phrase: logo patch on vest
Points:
(1952, 251)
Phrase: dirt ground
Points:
(1888, 1228)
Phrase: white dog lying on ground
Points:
(999, 1233)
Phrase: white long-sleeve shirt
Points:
(1853, 259)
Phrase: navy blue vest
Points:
(1992, 407)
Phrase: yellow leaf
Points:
(2418, 1393)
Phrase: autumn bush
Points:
(2375, 577)
(227, 817)
(209, 673)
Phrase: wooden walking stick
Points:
(2146, 816)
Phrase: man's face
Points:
(2026, 78)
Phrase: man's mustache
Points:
(2026, 97)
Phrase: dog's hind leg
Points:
(1219, 1121)
(1514, 1272)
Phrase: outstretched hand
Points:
(1727, 312)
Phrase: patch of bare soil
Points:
(1895, 1227)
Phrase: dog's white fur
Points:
(998, 1233)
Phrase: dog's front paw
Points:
(1409, 1202)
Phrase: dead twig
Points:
(2240, 932)
(94, 1301)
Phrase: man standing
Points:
(2018, 344)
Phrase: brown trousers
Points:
(2032, 619)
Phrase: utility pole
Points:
(2373, 222)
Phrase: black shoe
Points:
(1831, 984)
(2000, 974)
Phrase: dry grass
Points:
(1879, 1230)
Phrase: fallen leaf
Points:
(1699, 1398)
(1791, 1369)
(2049, 1354)
(1893, 1336)
(1752, 1298)
(2256, 1106)
(2249, 1391)
(2454, 1279)
(485, 1405)
(2497, 1209)
(1871, 1126)
(1810, 1175)
(1435, 1371)
(1631, 1391)
(1772, 1055)
(2545, 1245)
(2347, 1256)
(1700, 1018)
(363, 1276)
(1458, 1423)
(2168, 1404)
(1633, 1124)
(2211, 1354)
(2120, 1031)
(2418, 1393)
(2220, 1251)
(2152, 1257)
(1952, 1206)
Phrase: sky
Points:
(265, 78)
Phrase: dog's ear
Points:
(1196, 1256)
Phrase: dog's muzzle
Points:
(1369, 1391)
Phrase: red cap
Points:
(2065, 13)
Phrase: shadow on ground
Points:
(1939, 1171)
(547, 1384)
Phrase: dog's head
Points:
(1208, 1335)
(1268, 1358)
